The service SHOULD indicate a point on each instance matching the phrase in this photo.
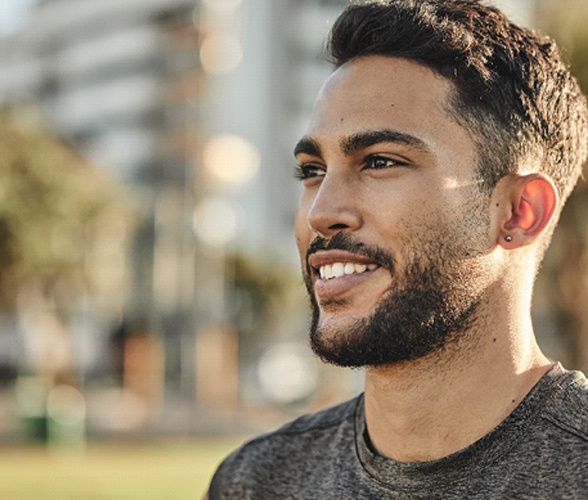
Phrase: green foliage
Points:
(266, 280)
(566, 263)
(566, 21)
(49, 195)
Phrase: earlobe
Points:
(533, 202)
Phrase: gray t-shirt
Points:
(540, 451)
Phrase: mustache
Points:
(347, 243)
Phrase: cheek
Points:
(410, 231)
(399, 216)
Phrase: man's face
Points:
(392, 230)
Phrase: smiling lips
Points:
(339, 271)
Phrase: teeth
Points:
(339, 269)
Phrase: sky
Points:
(13, 14)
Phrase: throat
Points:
(418, 412)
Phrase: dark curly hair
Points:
(512, 89)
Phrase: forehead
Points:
(379, 83)
(378, 92)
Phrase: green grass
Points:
(112, 470)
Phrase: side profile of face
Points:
(392, 227)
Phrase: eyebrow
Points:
(308, 146)
(362, 140)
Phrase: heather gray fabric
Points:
(539, 452)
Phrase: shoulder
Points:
(324, 419)
(311, 426)
(567, 408)
(294, 449)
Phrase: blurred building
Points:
(195, 107)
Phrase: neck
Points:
(427, 409)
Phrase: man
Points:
(439, 155)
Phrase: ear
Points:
(533, 200)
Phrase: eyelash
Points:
(374, 158)
(310, 170)
(302, 172)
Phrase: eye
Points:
(382, 162)
(309, 171)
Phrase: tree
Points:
(53, 202)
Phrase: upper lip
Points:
(329, 257)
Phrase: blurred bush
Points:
(565, 271)
(50, 199)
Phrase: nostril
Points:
(338, 226)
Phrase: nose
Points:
(335, 208)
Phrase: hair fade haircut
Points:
(512, 88)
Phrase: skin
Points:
(402, 192)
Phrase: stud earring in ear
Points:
(508, 238)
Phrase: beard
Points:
(430, 305)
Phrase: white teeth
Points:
(360, 268)
(339, 269)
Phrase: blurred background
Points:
(149, 282)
